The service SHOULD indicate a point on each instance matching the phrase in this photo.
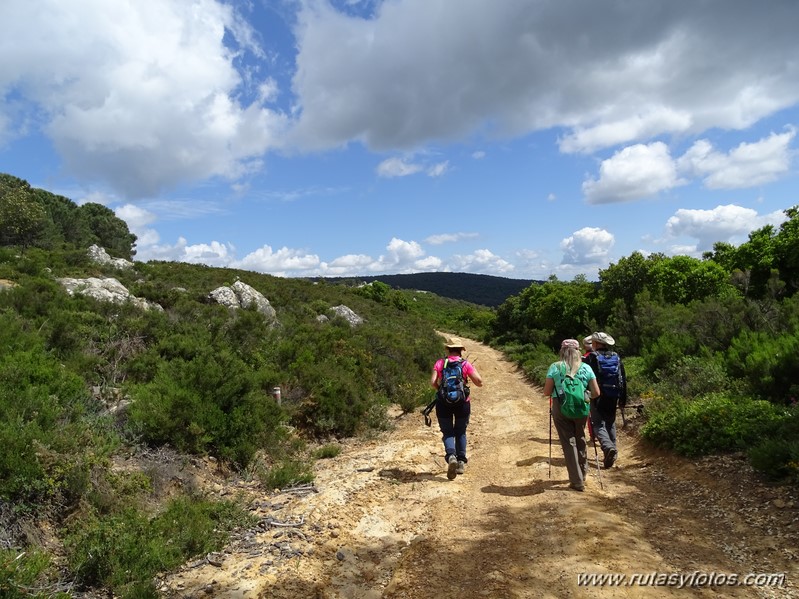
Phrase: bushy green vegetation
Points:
(716, 422)
(196, 378)
(124, 550)
(199, 379)
(711, 345)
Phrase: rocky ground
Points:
(382, 521)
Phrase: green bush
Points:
(210, 403)
(327, 451)
(125, 550)
(777, 455)
(285, 473)
(714, 423)
(50, 430)
(691, 376)
(768, 362)
(26, 574)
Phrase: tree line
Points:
(31, 217)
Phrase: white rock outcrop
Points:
(100, 256)
(347, 314)
(241, 295)
(106, 290)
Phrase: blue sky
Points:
(516, 138)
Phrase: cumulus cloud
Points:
(212, 254)
(589, 245)
(611, 73)
(481, 261)
(728, 223)
(747, 165)
(280, 262)
(139, 95)
(183, 92)
(633, 173)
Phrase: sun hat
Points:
(572, 343)
(454, 343)
(587, 340)
(603, 338)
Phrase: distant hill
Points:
(485, 290)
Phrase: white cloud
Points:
(589, 245)
(438, 169)
(144, 96)
(140, 95)
(212, 254)
(611, 73)
(633, 173)
(397, 167)
(728, 223)
(747, 165)
(638, 126)
(482, 261)
(282, 262)
(449, 238)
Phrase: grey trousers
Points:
(571, 433)
(603, 421)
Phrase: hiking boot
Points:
(610, 458)
(452, 466)
(577, 487)
(461, 467)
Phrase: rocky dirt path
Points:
(383, 521)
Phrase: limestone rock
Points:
(106, 290)
(241, 295)
(100, 256)
(347, 314)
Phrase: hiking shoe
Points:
(461, 467)
(452, 466)
(577, 487)
(610, 458)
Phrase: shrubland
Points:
(711, 349)
(711, 345)
(89, 384)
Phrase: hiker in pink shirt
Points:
(451, 376)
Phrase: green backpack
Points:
(571, 396)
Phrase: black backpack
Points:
(609, 378)
(453, 388)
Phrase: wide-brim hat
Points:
(603, 338)
(572, 343)
(454, 343)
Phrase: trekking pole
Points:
(596, 453)
(550, 437)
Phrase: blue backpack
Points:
(609, 378)
(453, 388)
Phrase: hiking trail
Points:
(382, 521)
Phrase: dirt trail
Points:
(384, 521)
